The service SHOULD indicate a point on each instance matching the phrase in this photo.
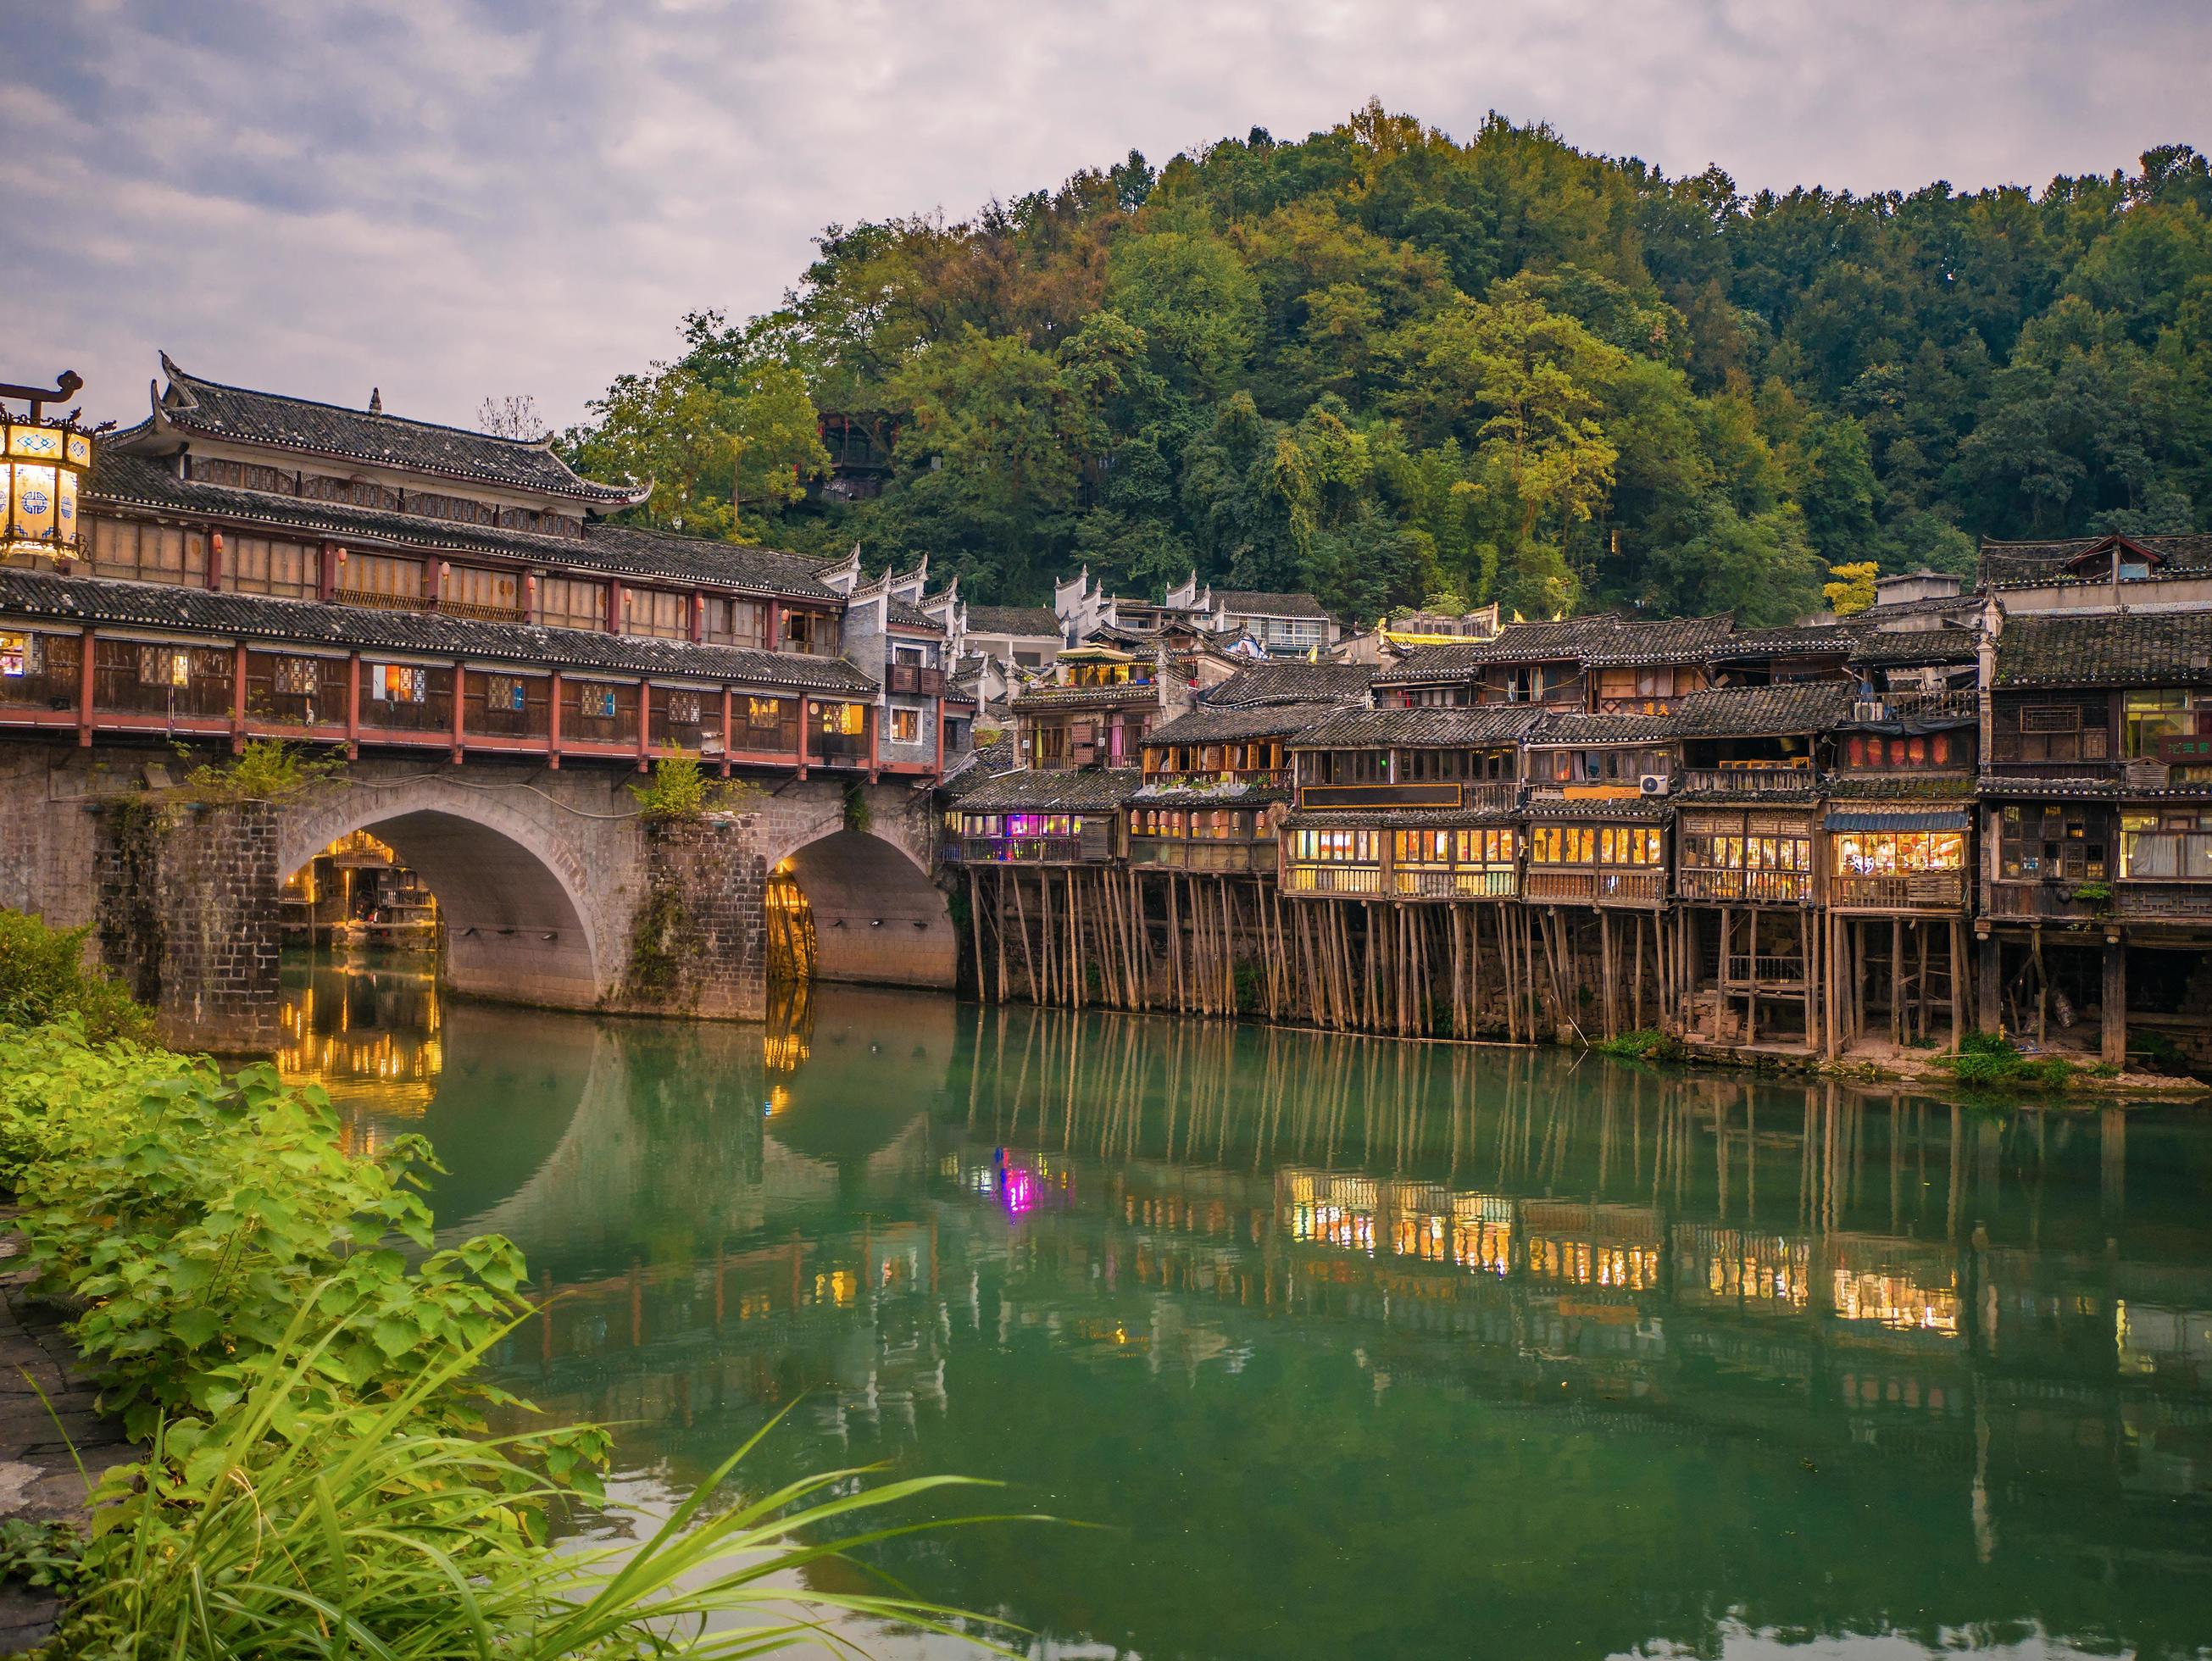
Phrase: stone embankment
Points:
(52, 1442)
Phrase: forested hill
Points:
(1389, 367)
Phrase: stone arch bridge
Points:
(553, 889)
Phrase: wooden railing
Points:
(324, 696)
(1201, 853)
(1022, 850)
(1916, 890)
(1478, 882)
(376, 602)
(1750, 781)
(1335, 880)
(1698, 883)
(1603, 886)
(2148, 901)
(1770, 970)
(2040, 899)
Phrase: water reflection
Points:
(1371, 1348)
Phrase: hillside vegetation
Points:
(1391, 367)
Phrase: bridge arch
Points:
(522, 923)
(878, 918)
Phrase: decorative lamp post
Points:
(43, 461)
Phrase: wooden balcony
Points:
(2140, 901)
(1475, 883)
(1352, 879)
(914, 679)
(2042, 902)
(1201, 853)
(1024, 850)
(1571, 886)
(1702, 886)
(1916, 890)
(1750, 782)
(1774, 972)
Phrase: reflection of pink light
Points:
(1018, 1192)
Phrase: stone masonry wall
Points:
(696, 944)
(187, 903)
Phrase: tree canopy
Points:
(1392, 367)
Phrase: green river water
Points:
(1351, 1348)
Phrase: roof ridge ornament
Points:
(376, 400)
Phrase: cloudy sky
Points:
(457, 199)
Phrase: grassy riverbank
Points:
(315, 1479)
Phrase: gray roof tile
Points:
(302, 424)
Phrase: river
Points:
(1350, 1347)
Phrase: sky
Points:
(463, 198)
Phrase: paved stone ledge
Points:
(39, 1474)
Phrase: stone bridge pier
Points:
(554, 892)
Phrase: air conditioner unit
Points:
(1652, 784)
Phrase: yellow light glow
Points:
(42, 466)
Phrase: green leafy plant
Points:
(1985, 1059)
(288, 1528)
(857, 814)
(266, 769)
(1645, 1046)
(45, 1556)
(190, 1216)
(43, 977)
(680, 792)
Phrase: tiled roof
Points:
(1078, 790)
(1659, 639)
(1240, 794)
(1807, 706)
(1399, 818)
(1638, 810)
(1033, 620)
(1936, 786)
(1475, 727)
(1086, 697)
(195, 406)
(2000, 784)
(36, 594)
(1516, 643)
(1910, 646)
(1246, 602)
(1604, 639)
(2030, 562)
(624, 550)
(1206, 724)
(982, 761)
(1567, 727)
(1797, 640)
(2136, 648)
(1293, 683)
(903, 614)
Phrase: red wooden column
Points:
(615, 606)
(805, 710)
(352, 705)
(460, 705)
(553, 722)
(875, 720)
(644, 725)
(238, 697)
(727, 729)
(84, 686)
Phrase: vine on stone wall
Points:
(133, 940)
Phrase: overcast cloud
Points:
(455, 200)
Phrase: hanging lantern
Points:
(42, 463)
